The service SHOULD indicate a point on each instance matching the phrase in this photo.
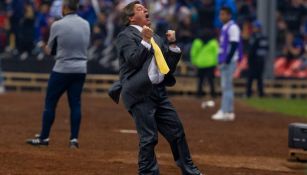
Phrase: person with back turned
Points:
(69, 41)
(147, 65)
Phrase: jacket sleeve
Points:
(233, 48)
(172, 58)
(134, 53)
(52, 41)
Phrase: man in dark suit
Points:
(143, 77)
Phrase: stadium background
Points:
(24, 24)
(256, 143)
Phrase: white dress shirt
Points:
(153, 72)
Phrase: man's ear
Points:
(131, 19)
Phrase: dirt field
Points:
(255, 144)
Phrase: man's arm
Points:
(233, 48)
(50, 48)
(173, 53)
(172, 58)
(234, 38)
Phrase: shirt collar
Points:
(70, 14)
(139, 28)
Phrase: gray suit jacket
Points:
(134, 59)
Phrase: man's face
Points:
(141, 16)
(224, 16)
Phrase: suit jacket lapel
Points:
(135, 32)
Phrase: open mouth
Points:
(147, 16)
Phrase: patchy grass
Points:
(292, 107)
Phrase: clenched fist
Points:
(147, 34)
(171, 35)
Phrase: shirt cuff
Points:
(146, 44)
(175, 49)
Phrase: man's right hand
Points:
(147, 34)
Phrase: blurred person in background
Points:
(230, 53)
(56, 9)
(281, 32)
(219, 4)
(87, 12)
(258, 53)
(42, 25)
(246, 10)
(26, 32)
(293, 48)
(185, 32)
(206, 13)
(99, 36)
(294, 14)
(204, 53)
(305, 40)
(160, 13)
(4, 29)
(69, 41)
(4, 26)
(15, 13)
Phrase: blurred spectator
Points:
(294, 47)
(294, 15)
(224, 3)
(42, 25)
(204, 52)
(185, 16)
(246, 10)
(56, 9)
(3, 26)
(304, 58)
(206, 12)
(87, 12)
(26, 32)
(280, 34)
(185, 32)
(99, 35)
(15, 13)
(258, 53)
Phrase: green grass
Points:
(284, 106)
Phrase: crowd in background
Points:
(24, 24)
(291, 39)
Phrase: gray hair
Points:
(71, 4)
(127, 12)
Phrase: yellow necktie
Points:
(161, 63)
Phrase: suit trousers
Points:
(59, 83)
(156, 113)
